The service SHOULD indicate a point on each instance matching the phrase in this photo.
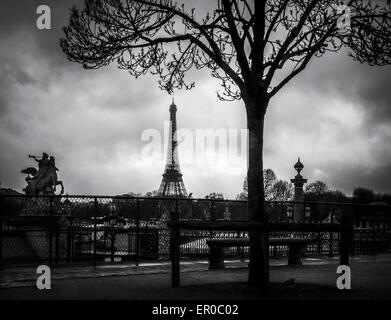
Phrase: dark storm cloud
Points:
(337, 116)
(340, 75)
(13, 74)
(375, 93)
(359, 176)
(19, 17)
(20, 40)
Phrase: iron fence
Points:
(96, 229)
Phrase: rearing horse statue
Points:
(43, 181)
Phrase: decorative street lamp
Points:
(307, 212)
(112, 223)
(289, 212)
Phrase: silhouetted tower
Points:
(172, 184)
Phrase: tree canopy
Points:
(275, 189)
(246, 44)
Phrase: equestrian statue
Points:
(44, 180)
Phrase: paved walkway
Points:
(371, 279)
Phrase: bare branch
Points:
(244, 43)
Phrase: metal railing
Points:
(97, 229)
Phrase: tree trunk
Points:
(259, 247)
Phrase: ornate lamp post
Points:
(112, 223)
(307, 212)
(289, 212)
(298, 181)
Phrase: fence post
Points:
(346, 238)
(212, 210)
(69, 239)
(211, 217)
(330, 243)
(95, 226)
(137, 231)
(1, 242)
(112, 244)
(339, 235)
(129, 244)
(57, 247)
(319, 242)
(240, 252)
(175, 253)
(51, 231)
(176, 208)
(373, 238)
(2, 215)
(1, 238)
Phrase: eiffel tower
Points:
(172, 184)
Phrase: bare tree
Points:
(254, 47)
(281, 191)
(318, 188)
(275, 189)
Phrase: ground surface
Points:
(316, 279)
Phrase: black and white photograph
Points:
(206, 151)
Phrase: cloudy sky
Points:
(336, 116)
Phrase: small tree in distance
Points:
(275, 189)
(319, 191)
(318, 188)
(253, 47)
